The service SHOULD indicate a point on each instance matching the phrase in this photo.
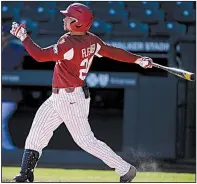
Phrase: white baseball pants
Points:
(72, 109)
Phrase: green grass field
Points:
(76, 175)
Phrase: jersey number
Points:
(87, 64)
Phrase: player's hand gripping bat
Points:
(178, 72)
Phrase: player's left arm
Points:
(123, 55)
(51, 53)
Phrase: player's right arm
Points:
(51, 53)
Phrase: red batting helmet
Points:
(83, 17)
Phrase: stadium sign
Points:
(138, 46)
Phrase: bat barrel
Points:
(178, 72)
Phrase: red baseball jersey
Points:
(73, 55)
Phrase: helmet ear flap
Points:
(75, 25)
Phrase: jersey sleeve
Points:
(51, 53)
(106, 50)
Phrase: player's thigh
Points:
(73, 109)
(45, 121)
(75, 117)
(78, 124)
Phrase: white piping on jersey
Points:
(98, 47)
(55, 49)
(69, 54)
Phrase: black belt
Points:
(68, 90)
(71, 89)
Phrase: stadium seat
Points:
(100, 5)
(7, 12)
(46, 28)
(168, 29)
(142, 5)
(10, 9)
(170, 7)
(35, 4)
(182, 15)
(185, 16)
(111, 15)
(87, 3)
(116, 4)
(13, 4)
(54, 27)
(38, 13)
(146, 15)
(175, 5)
(111, 12)
(62, 5)
(191, 30)
(131, 29)
(101, 28)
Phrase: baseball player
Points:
(70, 98)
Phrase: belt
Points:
(68, 90)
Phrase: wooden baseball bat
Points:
(178, 72)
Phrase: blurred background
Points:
(146, 116)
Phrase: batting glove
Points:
(144, 62)
(19, 31)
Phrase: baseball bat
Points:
(178, 72)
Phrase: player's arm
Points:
(123, 55)
(39, 54)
